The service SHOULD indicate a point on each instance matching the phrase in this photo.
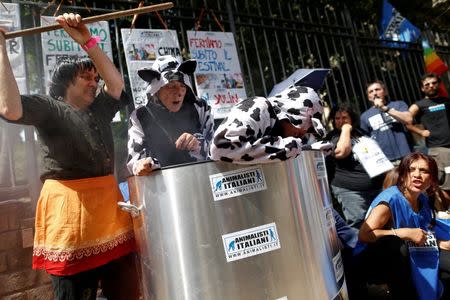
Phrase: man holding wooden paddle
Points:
(81, 236)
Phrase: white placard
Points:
(10, 20)
(142, 47)
(218, 77)
(57, 44)
(371, 157)
(251, 242)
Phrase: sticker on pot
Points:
(251, 242)
(321, 170)
(338, 266)
(238, 182)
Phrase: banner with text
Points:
(142, 47)
(218, 76)
(10, 20)
(57, 44)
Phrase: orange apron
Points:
(79, 226)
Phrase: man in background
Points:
(433, 112)
(385, 121)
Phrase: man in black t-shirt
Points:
(433, 112)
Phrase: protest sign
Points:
(218, 76)
(142, 47)
(10, 20)
(57, 44)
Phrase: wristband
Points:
(91, 42)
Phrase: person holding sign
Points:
(81, 235)
(350, 183)
(397, 243)
(175, 126)
(385, 120)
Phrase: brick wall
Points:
(17, 280)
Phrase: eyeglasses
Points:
(431, 83)
(422, 171)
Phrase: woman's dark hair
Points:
(65, 72)
(403, 171)
(343, 108)
(391, 178)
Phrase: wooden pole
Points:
(104, 17)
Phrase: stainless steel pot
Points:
(216, 230)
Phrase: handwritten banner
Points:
(142, 47)
(10, 20)
(57, 44)
(218, 76)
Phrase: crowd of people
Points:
(79, 196)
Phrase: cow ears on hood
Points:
(149, 74)
(188, 67)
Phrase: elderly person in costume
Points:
(260, 130)
(175, 126)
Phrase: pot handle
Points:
(130, 208)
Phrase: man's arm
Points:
(413, 110)
(403, 116)
(10, 103)
(72, 24)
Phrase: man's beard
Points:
(432, 93)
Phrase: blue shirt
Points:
(403, 216)
(388, 132)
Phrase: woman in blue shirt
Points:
(397, 219)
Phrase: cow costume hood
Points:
(301, 106)
(165, 69)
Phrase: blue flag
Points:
(394, 27)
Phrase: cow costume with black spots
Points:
(261, 130)
(170, 129)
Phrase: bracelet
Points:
(91, 42)
(393, 231)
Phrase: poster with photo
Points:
(142, 47)
(10, 20)
(218, 77)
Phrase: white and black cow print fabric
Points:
(250, 135)
(165, 69)
(137, 139)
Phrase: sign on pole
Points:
(142, 47)
(10, 20)
(57, 44)
(218, 76)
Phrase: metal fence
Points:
(274, 38)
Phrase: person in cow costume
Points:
(262, 130)
(175, 126)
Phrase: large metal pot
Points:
(216, 230)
